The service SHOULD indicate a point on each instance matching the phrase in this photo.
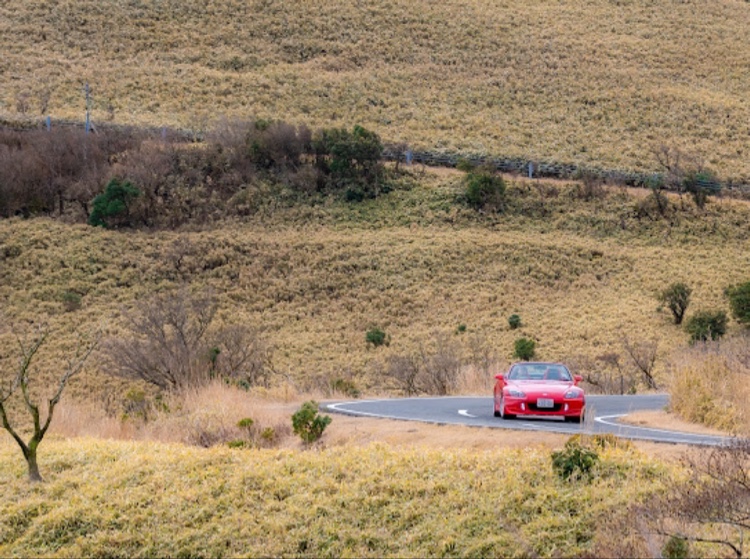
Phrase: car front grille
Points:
(534, 407)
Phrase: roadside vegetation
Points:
(370, 501)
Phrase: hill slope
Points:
(314, 277)
(595, 83)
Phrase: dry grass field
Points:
(314, 278)
(598, 83)
(147, 499)
(594, 83)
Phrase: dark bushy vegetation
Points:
(308, 423)
(112, 207)
(514, 321)
(574, 461)
(376, 337)
(524, 349)
(706, 325)
(236, 170)
(485, 189)
(45, 172)
(677, 298)
(739, 302)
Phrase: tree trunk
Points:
(30, 454)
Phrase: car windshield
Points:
(539, 371)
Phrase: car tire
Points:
(497, 414)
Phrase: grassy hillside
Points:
(583, 276)
(144, 500)
(595, 83)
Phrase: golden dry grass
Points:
(709, 385)
(315, 278)
(595, 83)
(156, 499)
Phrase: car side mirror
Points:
(500, 376)
(577, 378)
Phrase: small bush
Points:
(677, 298)
(112, 207)
(524, 349)
(739, 302)
(574, 461)
(377, 337)
(308, 423)
(485, 189)
(461, 329)
(676, 548)
(514, 321)
(706, 325)
(346, 387)
(71, 301)
(245, 423)
(268, 434)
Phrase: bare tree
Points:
(441, 368)
(606, 372)
(167, 346)
(643, 355)
(715, 495)
(171, 345)
(241, 354)
(404, 369)
(20, 380)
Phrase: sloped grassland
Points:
(594, 83)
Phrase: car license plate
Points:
(545, 403)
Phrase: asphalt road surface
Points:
(603, 413)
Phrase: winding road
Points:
(478, 412)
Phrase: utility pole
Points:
(87, 90)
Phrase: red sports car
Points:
(541, 389)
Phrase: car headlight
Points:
(513, 393)
(573, 394)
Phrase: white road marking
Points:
(465, 413)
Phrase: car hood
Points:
(537, 387)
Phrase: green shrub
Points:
(676, 548)
(71, 301)
(706, 325)
(245, 423)
(111, 208)
(346, 387)
(574, 461)
(308, 423)
(514, 321)
(524, 349)
(464, 165)
(350, 161)
(739, 302)
(461, 329)
(377, 337)
(677, 298)
(485, 189)
(268, 434)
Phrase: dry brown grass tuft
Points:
(709, 385)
